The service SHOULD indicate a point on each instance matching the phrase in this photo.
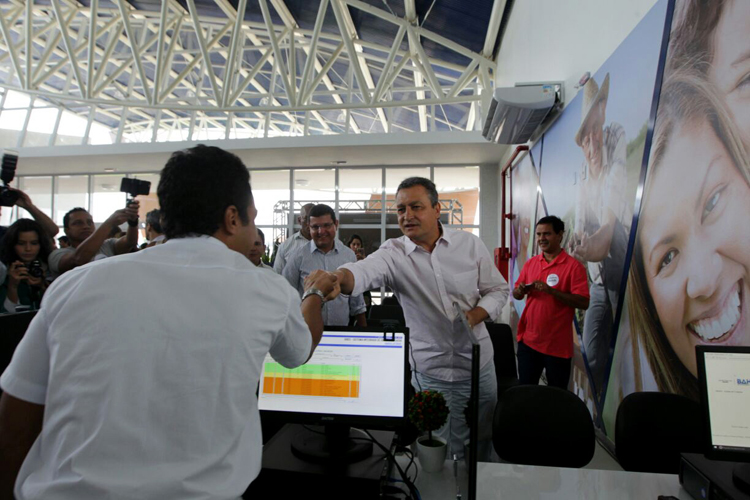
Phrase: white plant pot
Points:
(431, 458)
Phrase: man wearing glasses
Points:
(326, 252)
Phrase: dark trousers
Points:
(532, 362)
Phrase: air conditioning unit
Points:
(515, 113)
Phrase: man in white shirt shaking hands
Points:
(137, 377)
(430, 268)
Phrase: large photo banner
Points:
(688, 278)
(591, 164)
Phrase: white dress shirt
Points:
(147, 365)
(459, 269)
(310, 258)
(287, 249)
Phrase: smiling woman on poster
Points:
(712, 37)
(689, 279)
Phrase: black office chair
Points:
(386, 315)
(505, 356)
(653, 428)
(390, 301)
(542, 425)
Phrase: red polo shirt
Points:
(545, 324)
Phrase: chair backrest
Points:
(387, 313)
(504, 356)
(501, 336)
(541, 425)
(653, 428)
(390, 301)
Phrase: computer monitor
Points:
(357, 377)
(724, 377)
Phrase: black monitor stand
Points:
(284, 475)
(337, 444)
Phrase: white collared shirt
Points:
(287, 249)
(147, 365)
(459, 269)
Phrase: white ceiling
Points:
(438, 148)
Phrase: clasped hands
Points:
(326, 282)
(524, 289)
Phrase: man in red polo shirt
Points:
(555, 286)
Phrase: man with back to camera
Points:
(297, 240)
(88, 242)
(326, 252)
(154, 232)
(554, 285)
(258, 250)
(429, 268)
(138, 376)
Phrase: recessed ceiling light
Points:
(110, 169)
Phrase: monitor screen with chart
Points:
(357, 377)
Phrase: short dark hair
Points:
(305, 210)
(197, 186)
(8, 248)
(322, 210)
(558, 226)
(63, 239)
(262, 236)
(420, 181)
(153, 219)
(66, 217)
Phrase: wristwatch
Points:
(314, 291)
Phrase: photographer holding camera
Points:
(10, 196)
(88, 242)
(24, 201)
(24, 252)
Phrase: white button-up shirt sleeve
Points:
(370, 273)
(492, 286)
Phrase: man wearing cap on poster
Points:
(600, 239)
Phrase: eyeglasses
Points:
(318, 227)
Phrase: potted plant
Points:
(429, 412)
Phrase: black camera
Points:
(134, 187)
(8, 198)
(35, 268)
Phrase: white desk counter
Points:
(517, 482)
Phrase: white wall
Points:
(553, 40)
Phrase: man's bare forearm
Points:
(48, 224)
(126, 243)
(311, 312)
(345, 280)
(20, 424)
(571, 299)
(87, 249)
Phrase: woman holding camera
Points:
(24, 252)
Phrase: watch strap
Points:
(314, 291)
